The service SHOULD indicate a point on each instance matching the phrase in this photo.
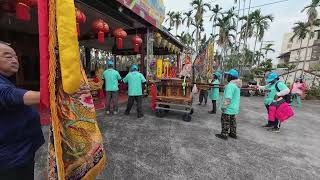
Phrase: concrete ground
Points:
(169, 148)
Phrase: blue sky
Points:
(285, 13)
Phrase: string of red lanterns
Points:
(22, 11)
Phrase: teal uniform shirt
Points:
(273, 91)
(232, 92)
(214, 92)
(111, 78)
(134, 80)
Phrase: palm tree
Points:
(258, 55)
(247, 29)
(261, 24)
(268, 48)
(216, 13)
(238, 18)
(186, 39)
(300, 31)
(312, 10)
(226, 26)
(247, 55)
(188, 18)
(170, 18)
(248, 24)
(177, 20)
(200, 7)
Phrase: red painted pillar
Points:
(142, 65)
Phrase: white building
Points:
(295, 52)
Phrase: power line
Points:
(267, 4)
(254, 7)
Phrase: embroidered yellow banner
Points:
(69, 54)
(159, 68)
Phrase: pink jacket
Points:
(283, 112)
(298, 88)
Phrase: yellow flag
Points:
(69, 53)
(166, 68)
(159, 68)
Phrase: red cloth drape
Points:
(44, 53)
(153, 97)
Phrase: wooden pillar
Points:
(114, 48)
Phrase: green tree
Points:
(268, 48)
(260, 24)
(177, 20)
(225, 35)
(247, 28)
(186, 39)
(258, 55)
(188, 19)
(300, 31)
(312, 11)
(170, 18)
(200, 8)
(286, 65)
(216, 13)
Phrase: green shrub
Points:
(313, 92)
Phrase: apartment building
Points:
(295, 52)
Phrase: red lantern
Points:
(136, 42)
(81, 18)
(100, 27)
(23, 9)
(119, 34)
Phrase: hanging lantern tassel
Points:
(136, 48)
(119, 43)
(101, 37)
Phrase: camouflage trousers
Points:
(228, 124)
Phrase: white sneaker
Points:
(108, 112)
(115, 112)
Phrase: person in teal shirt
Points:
(135, 80)
(275, 90)
(230, 106)
(111, 78)
(214, 92)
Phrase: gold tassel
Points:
(52, 89)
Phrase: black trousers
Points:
(24, 172)
(203, 96)
(276, 123)
(112, 95)
(131, 100)
(214, 106)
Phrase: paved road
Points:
(168, 148)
